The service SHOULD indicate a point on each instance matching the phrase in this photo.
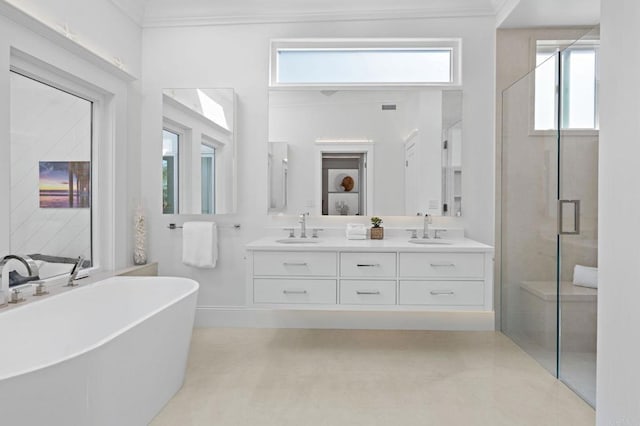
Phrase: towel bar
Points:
(234, 226)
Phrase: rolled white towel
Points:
(585, 276)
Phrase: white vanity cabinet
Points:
(295, 263)
(444, 279)
(371, 275)
(294, 277)
(368, 278)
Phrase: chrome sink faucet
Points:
(427, 222)
(302, 220)
(32, 270)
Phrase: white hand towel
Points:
(200, 244)
(585, 276)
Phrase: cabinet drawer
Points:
(356, 292)
(266, 290)
(294, 263)
(368, 265)
(442, 293)
(441, 265)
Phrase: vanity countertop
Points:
(390, 244)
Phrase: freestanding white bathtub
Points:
(111, 353)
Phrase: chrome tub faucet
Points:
(32, 271)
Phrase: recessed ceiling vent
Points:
(389, 107)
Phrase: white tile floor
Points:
(354, 377)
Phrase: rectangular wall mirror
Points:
(198, 151)
(365, 152)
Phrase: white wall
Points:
(118, 153)
(619, 270)
(96, 24)
(238, 57)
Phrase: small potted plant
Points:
(377, 231)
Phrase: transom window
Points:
(572, 75)
(320, 62)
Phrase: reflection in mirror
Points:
(170, 171)
(368, 152)
(208, 177)
(198, 151)
(51, 192)
(452, 153)
(342, 173)
(278, 158)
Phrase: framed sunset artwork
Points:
(65, 184)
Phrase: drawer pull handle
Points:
(442, 293)
(368, 265)
(443, 265)
(294, 263)
(367, 292)
(294, 291)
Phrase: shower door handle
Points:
(576, 217)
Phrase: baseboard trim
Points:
(251, 317)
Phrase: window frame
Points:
(561, 45)
(101, 148)
(167, 127)
(454, 44)
(216, 146)
(185, 141)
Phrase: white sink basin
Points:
(430, 242)
(298, 241)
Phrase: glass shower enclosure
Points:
(549, 210)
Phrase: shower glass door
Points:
(549, 211)
(529, 240)
(578, 236)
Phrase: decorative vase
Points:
(140, 237)
(377, 233)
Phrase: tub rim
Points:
(111, 336)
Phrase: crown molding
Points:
(133, 9)
(298, 17)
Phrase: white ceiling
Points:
(552, 13)
(508, 13)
